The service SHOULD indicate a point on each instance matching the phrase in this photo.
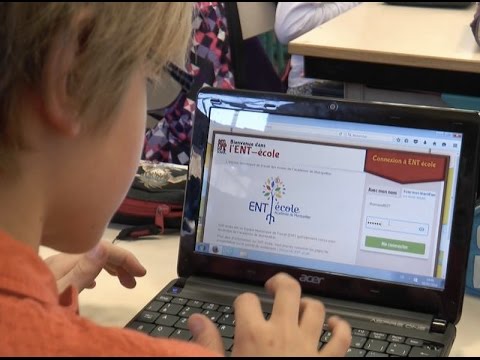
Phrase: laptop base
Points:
(376, 331)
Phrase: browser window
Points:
(347, 198)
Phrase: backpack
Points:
(154, 201)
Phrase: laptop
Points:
(368, 205)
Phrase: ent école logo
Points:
(273, 190)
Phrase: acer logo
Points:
(311, 279)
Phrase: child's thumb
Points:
(205, 333)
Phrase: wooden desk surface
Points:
(400, 35)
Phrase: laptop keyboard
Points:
(166, 316)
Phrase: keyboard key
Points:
(378, 336)
(325, 327)
(227, 319)
(320, 344)
(421, 352)
(227, 343)
(434, 347)
(162, 331)
(358, 342)
(195, 303)
(179, 300)
(376, 345)
(226, 309)
(212, 315)
(148, 316)
(182, 324)
(187, 311)
(143, 327)
(226, 331)
(360, 332)
(164, 298)
(181, 335)
(355, 353)
(375, 354)
(396, 339)
(171, 309)
(414, 342)
(155, 306)
(210, 306)
(167, 320)
(398, 349)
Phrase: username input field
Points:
(398, 226)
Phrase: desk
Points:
(399, 47)
(112, 305)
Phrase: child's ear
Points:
(60, 109)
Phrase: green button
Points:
(395, 245)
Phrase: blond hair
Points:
(117, 38)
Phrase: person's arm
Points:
(293, 19)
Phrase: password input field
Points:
(398, 226)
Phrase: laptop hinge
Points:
(438, 326)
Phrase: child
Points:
(72, 120)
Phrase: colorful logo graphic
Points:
(273, 190)
(273, 203)
(221, 146)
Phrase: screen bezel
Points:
(444, 304)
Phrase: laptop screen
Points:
(354, 199)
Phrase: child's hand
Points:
(81, 270)
(294, 328)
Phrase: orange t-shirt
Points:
(36, 321)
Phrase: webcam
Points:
(333, 106)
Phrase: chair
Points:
(252, 68)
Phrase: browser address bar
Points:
(368, 136)
(304, 129)
(337, 133)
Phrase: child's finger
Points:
(312, 316)
(248, 312)
(340, 340)
(126, 279)
(286, 291)
(205, 333)
(85, 270)
(119, 257)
